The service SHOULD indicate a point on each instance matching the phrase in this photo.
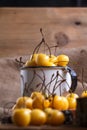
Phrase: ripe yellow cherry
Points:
(54, 117)
(30, 63)
(38, 102)
(29, 103)
(62, 60)
(24, 102)
(72, 102)
(84, 93)
(52, 59)
(46, 103)
(42, 59)
(38, 117)
(20, 102)
(21, 116)
(60, 103)
(73, 95)
(58, 118)
(34, 57)
(36, 94)
(48, 112)
(49, 64)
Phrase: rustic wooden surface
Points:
(19, 28)
(12, 127)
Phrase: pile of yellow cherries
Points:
(41, 59)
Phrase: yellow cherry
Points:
(84, 93)
(62, 60)
(30, 63)
(52, 58)
(42, 59)
(34, 57)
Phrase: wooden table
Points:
(67, 127)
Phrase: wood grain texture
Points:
(19, 28)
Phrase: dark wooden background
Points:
(44, 3)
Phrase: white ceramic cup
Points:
(50, 80)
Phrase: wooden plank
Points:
(44, 127)
(19, 28)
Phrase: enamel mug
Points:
(49, 80)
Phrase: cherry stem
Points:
(36, 50)
(83, 78)
(45, 42)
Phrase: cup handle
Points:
(73, 78)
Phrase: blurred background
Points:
(44, 3)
